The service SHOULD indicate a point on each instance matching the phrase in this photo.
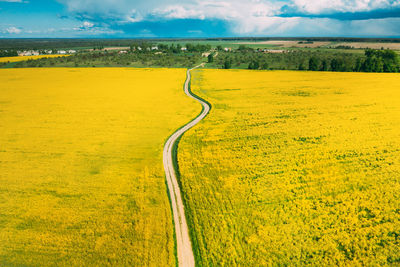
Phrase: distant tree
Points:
(390, 67)
(379, 65)
(324, 65)
(334, 65)
(390, 61)
(373, 63)
(313, 64)
(251, 66)
(358, 66)
(242, 48)
(210, 58)
(265, 66)
(178, 48)
(162, 47)
(227, 64)
(8, 53)
(254, 65)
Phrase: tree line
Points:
(8, 53)
(371, 61)
(115, 59)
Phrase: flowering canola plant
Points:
(24, 58)
(294, 168)
(81, 174)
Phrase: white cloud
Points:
(219, 9)
(113, 8)
(331, 6)
(88, 24)
(320, 27)
(223, 9)
(138, 9)
(91, 29)
(15, 1)
(13, 30)
(245, 16)
(178, 12)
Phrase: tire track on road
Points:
(183, 243)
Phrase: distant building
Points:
(61, 52)
(273, 51)
(71, 51)
(184, 49)
(154, 48)
(123, 52)
(28, 53)
(228, 49)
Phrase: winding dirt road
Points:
(184, 246)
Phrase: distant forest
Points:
(143, 53)
(8, 53)
(371, 61)
(43, 43)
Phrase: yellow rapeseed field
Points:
(294, 168)
(81, 174)
(17, 59)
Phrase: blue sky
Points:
(196, 18)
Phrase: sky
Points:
(197, 18)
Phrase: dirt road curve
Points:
(184, 246)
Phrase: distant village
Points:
(123, 50)
(184, 49)
(45, 52)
